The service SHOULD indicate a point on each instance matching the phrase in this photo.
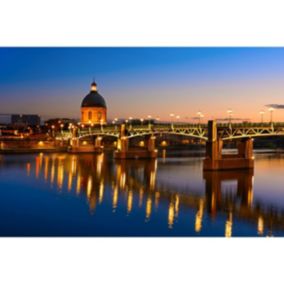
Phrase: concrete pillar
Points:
(213, 145)
(245, 148)
(151, 143)
(122, 130)
(123, 144)
(98, 141)
(74, 142)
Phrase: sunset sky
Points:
(138, 82)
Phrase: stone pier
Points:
(215, 160)
(125, 152)
(76, 146)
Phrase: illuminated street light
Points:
(172, 117)
(141, 119)
(61, 127)
(230, 113)
(271, 109)
(177, 117)
(149, 118)
(200, 115)
(52, 132)
(261, 115)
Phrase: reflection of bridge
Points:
(214, 134)
(135, 182)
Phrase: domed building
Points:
(93, 107)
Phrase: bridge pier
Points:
(77, 147)
(125, 152)
(215, 160)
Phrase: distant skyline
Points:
(144, 81)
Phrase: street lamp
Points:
(261, 115)
(61, 127)
(149, 118)
(200, 115)
(230, 112)
(271, 109)
(141, 119)
(52, 131)
(172, 116)
(177, 117)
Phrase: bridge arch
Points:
(97, 134)
(143, 134)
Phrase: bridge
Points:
(214, 134)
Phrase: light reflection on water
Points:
(45, 194)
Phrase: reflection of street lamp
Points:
(261, 115)
(229, 111)
(271, 109)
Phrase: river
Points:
(95, 195)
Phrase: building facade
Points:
(25, 120)
(93, 107)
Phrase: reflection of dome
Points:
(93, 99)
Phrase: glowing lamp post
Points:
(61, 127)
(261, 115)
(200, 116)
(130, 120)
(141, 119)
(149, 118)
(178, 118)
(230, 114)
(172, 116)
(271, 109)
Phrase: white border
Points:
(141, 23)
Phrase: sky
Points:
(137, 82)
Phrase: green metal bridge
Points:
(224, 131)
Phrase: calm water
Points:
(93, 195)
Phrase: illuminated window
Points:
(90, 115)
(99, 115)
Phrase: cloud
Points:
(276, 106)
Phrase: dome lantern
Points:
(94, 86)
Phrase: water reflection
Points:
(137, 186)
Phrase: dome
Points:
(93, 99)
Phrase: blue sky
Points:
(140, 81)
